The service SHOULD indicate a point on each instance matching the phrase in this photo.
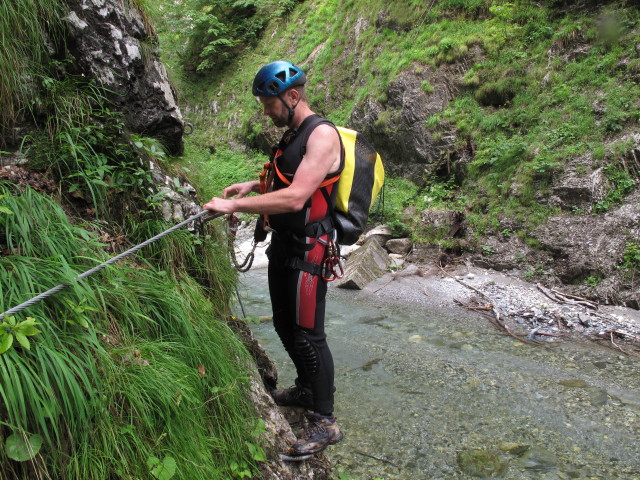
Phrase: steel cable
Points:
(97, 268)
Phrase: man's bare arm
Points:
(322, 157)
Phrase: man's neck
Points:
(301, 113)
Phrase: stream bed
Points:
(426, 392)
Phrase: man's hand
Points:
(227, 204)
(239, 190)
(220, 205)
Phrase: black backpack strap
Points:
(296, 263)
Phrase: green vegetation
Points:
(25, 28)
(632, 258)
(208, 34)
(81, 146)
(212, 172)
(137, 353)
(545, 83)
(132, 372)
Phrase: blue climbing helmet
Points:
(276, 77)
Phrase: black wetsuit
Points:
(298, 296)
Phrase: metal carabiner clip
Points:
(338, 265)
(328, 273)
(333, 269)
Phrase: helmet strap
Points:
(290, 108)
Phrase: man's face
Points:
(275, 110)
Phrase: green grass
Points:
(129, 364)
(25, 28)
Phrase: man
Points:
(297, 199)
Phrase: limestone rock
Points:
(109, 42)
(399, 246)
(382, 233)
(396, 260)
(364, 265)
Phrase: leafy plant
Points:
(622, 184)
(11, 328)
(593, 281)
(162, 470)
(82, 145)
(27, 29)
(20, 447)
(632, 256)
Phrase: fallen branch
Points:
(472, 307)
(623, 334)
(610, 343)
(560, 297)
(548, 334)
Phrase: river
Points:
(426, 392)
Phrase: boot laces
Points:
(316, 427)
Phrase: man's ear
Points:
(293, 96)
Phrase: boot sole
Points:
(295, 458)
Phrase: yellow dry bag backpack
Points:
(360, 182)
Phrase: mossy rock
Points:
(482, 463)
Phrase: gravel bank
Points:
(528, 310)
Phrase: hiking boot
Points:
(321, 432)
(296, 396)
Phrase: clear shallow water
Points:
(420, 387)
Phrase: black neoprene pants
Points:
(298, 302)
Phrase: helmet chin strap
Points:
(290, 108)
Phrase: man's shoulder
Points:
(315, 123)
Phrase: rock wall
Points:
(110, 42)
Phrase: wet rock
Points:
(482, 463)
(514, 448)
(417, 338)
(597, 396)
(538, 460)
(627, 399)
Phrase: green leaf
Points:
(23, 340)
(5, 210)
(256, 452)
(164, 470)
(260, 428)
(26, 330)
(6, 340)
(29, 321)
(20, 448)
(152, 462)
